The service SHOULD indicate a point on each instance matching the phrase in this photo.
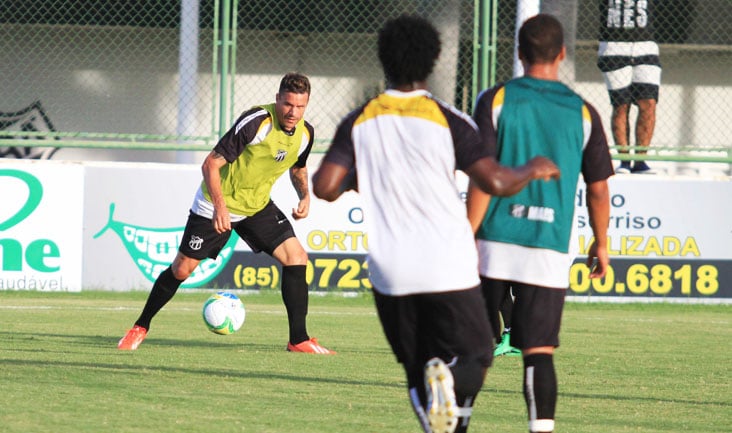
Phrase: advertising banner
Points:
(40, 226)
(134, 218)
(116, 226)
(668, 238)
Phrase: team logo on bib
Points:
(281, 154)
(534, 213)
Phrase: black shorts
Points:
(263, 231)
(537, 311)
(447, 324)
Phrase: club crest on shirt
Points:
(280, 156)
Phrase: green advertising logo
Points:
(41, 255)
(35, 193)
(153, 250)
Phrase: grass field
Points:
(621, 368)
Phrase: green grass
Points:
(622, 368)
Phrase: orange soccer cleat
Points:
(309, 346)
(132, 339)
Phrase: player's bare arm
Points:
(477, 203)
(331, 180)
(211, 165)
(496, 179)
(598, 210)
(299, 179)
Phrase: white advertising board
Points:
(40, 226)
(667, 238)
(134, 218)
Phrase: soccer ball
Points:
(223, 313)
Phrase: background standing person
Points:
(238, 176)
(630, 64)
(524, 240)
(401, 148)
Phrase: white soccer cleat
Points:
(442, 409)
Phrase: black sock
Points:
(468, 376)
(540, 391)
(507, 311)
(295, 298)
(162, 291)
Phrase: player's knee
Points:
(621, 110)
(182, 269)
(647, 104)
(183, 266)
(468, 375)
(301, 257)
(296, 258)
(167, 281)
(539, 350)
(291, 253)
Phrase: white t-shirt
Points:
(405, 148)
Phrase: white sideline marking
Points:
(78, 308)
(646, 300)
(323, 312)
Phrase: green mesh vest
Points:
(538, 118)
(247, 182)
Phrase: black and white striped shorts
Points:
(632, 70)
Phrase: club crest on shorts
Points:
(195, 243)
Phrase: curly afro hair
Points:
(409, 46)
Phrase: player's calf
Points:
(540, 391)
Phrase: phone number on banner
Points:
(625, 277)
(685, 278)
(323, 272)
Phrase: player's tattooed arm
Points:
(212, 177)
(299, 179)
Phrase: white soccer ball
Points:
(223, 313)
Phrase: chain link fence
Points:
(334, 42)
(695, 103)
(105, 74)
(162, 75)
